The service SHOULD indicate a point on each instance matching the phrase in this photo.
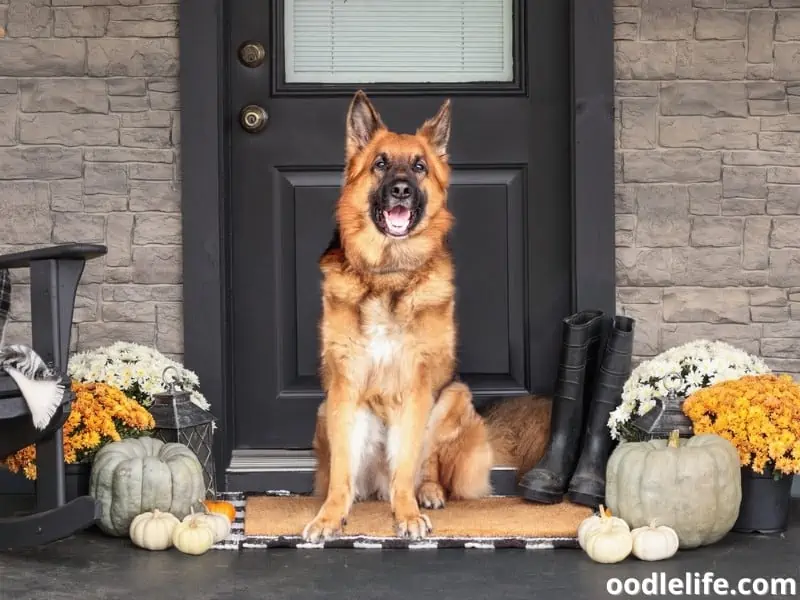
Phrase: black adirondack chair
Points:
(54, 275)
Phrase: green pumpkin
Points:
(139, 475)
(692, 485)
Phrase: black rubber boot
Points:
(588, 484)
(547, 481)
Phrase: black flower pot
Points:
(765, 502)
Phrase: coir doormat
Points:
(276, 521)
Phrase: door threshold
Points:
(257, 471)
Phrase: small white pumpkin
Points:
(193, 537)
(153, 530)
(593, 522)
(651, 542)
(218, 523)
(609, 542)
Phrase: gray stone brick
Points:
(744, 182)
(104, 203)
(756, 71)
(787, 61)
(760, 32)
(133, 57)
(713, 267)
(761, 158)
(639, 295)
(96, 335)
(119, 235)
(638, 121)
(767, 107)
(635, 89)
(648, 320)
(40, 162)
(641, 60)
(105, 178)
(755, 252)
(745, 337)
(790, 175)
(666, 20)
(785, 232)
(740, 207)
(677, 166)
(129, 103)
(706, 305)
(154, 196)
(788, 26)
(25, 206)
(662, 216)
(64, 95)
(162, 12)
(151, 118)
(783, 200)
(705, 198)
(69, 227)
(786, 3)
(768, 297)
(769, 314)
(789, 329)
(29, 19)
(779, 141)
(784, 267)
(8, 86)
(169, 327)
(712, 99)
(150, 171)
(142, 293)
(708, 133)
(720, 25)
(157, 264)
(8, 120)
(118, 274)
(69, 129)
(717, 231)
(644, 266)
(766, 90)
(66, 195)
(709, 3)
(794, 311)
(123, 86)
(43, 58)
(130, 312)
(145, 137)
(624, 228)
(165, 100)
(625, 199)
(157, 228)
(163, 85)
(143, 29)
(780, 348)
(128, 155)
(747, 3)
(710, 60)
(85, 21)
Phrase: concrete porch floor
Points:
(92, 566)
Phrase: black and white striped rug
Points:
(237, 540)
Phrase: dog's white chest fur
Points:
(383, 335)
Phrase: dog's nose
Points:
(401, 190)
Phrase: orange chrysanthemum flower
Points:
(758, 414)
(100, 414)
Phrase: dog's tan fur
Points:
(394, 424)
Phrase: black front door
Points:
(510, 194)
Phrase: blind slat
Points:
(399, 41)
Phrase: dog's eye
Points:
(419, 167)
(380, 164)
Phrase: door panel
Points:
(509, 194)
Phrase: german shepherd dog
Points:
(395, 425)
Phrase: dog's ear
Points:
(437, 129)
(363, 122)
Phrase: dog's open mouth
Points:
(396, 221)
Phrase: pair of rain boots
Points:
(588, 389)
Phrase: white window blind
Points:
(397, 41)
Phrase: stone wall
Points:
(708, 166)
(708, 172)
(88, 152)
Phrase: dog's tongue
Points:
(398, 219)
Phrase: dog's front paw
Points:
(431, 495)
(323, 527)
(414, 526)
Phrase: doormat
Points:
(275, 521)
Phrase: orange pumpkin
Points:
(222, 507)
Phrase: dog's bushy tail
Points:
(519, 430)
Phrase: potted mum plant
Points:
(100, 414)
(662, 383)
(760, 416)
(135, 369)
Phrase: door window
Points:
(398, 41)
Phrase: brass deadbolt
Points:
(252, 54)
(253, 118)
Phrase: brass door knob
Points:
(252, 54)
(253, 118)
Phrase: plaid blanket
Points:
(39, 384)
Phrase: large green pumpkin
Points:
(692, 485)
(138, 475)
